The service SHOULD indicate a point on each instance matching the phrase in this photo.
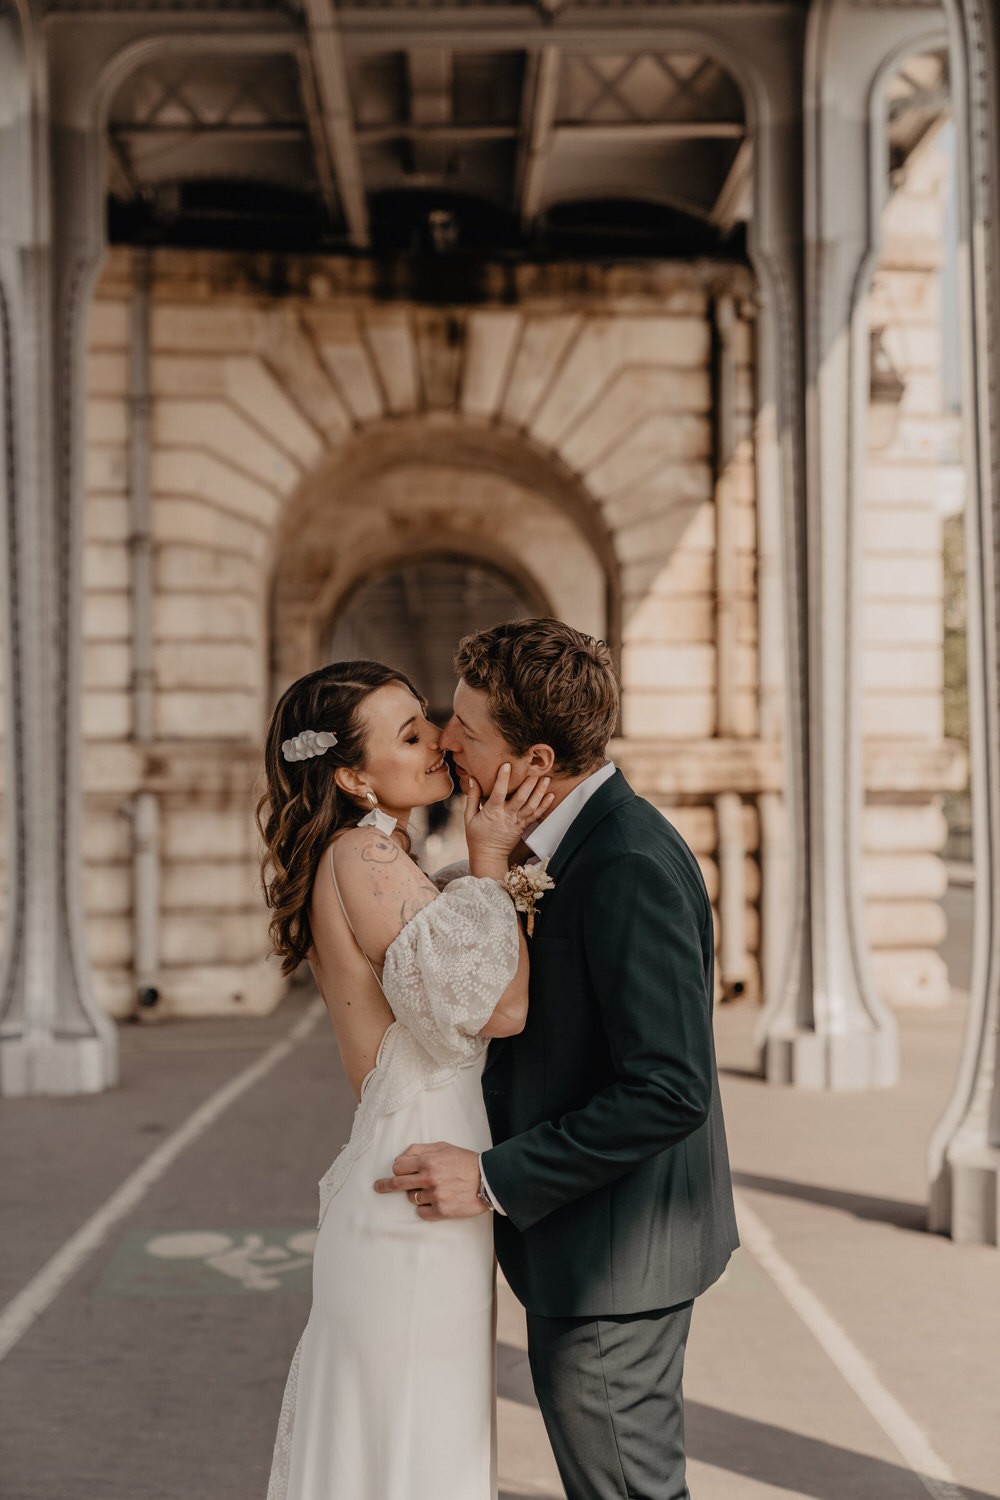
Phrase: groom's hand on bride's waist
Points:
(441, 1181)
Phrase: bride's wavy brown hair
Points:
(302, 807)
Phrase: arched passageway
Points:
(412, 613)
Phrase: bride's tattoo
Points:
(382, 852)
(412, 905)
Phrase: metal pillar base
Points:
(57, 1065)
(965, 1199)
(807, 1060)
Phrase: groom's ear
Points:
(541, 759)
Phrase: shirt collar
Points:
(546, 836)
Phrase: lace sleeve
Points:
(449, 966)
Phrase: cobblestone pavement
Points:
(155, 1279)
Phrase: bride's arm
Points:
(383, 890)
(381, 887)
(511, 1011)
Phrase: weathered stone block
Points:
(105, 715)
(178, 519)
(610, 343)
(196, 475)
(688, 667)
(115, 991)
(543, 344)
(107, 890)
(491, 340)
(911, 978)
(902, 669)
(106, 617)
(254, 391)
(674, 485)
(220, 430)
(105, 469)
(917, 624)
(107, 664)
(909, 578)
(109, 941)
(899, 481)
(207, 665)
(211, 885)
(674, 437)
(895, 877)
(630, 397)
(292, 355)
(904, 829)
(194, 617)
(106, 422)
(905, 924)
(915, 531)
(107, 372)
(213, 937)
(206, 326)
(200, 715)
(106, 836)
(204, 833)
(188, 569)
(342, 351)
(392, 346)
(919, 716)
(222, 989)
(107, 326)
(106, 518)
(670, 716)
(691, 528)
(681, 621)
(105, 567)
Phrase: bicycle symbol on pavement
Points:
(255, 1264)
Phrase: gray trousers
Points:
(610, 1393)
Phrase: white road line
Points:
(913, 1444)
(29, 1304)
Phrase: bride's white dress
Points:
(391, 1392)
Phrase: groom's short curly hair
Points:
(546, 684)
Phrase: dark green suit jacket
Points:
(609, 1152)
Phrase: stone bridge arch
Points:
(408, 489)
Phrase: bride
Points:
(390, 1395)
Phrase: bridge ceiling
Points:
(360, 135)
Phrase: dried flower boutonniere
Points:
(526, 885)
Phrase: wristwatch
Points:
(483, 1195)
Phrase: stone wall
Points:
(902, 626)
(307, 430)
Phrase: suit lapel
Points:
(612, 794)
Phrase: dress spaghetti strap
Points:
(350, 924)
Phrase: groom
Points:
(609, 1175)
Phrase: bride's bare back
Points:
(382, 889)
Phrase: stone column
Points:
(54, 1038)
(824, 1025)
(964, 1156)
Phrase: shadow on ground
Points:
(896, 1211)
(761, 1451)
(788, 1461)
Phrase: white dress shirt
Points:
(543, 841)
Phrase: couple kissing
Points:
(552, 1101)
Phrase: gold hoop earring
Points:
(372, 798)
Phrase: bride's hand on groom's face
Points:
(496, 826)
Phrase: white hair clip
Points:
(307, 744)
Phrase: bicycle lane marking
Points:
(41, 1291)
(895, 1421)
